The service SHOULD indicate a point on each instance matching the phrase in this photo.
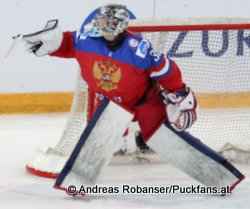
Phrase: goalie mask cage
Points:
(214, 57)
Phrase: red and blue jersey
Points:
(124, 74)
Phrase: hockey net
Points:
(213, 55)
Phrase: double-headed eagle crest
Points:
(107, 75)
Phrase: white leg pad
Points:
(194, 158)
(95, 147)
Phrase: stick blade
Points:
(16, 49)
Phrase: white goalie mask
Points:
(112, 19)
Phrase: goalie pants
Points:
(149, 115)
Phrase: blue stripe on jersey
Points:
(125, 54)
(165, 71)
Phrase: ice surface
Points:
(20, 135)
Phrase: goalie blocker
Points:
(92, 154)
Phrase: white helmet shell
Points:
(112, 19)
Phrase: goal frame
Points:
(173, 25)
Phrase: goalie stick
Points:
(18, 48)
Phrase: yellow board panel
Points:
(224, 100)
(32, 103)
(35, 103)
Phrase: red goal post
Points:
(188, 24)
(213, 54)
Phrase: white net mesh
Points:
(216, 65)
(76, 121)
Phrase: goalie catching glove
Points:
(46, 40)
(180, 107)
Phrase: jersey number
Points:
(155, 54)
